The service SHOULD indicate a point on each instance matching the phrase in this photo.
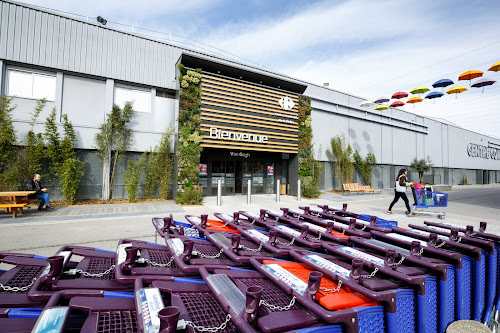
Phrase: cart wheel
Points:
(441, 216)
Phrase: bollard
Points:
(298, 190)
(277, 190)
(249, 192)
(219, 192)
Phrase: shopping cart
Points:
(325, 297)
(438, 273)
(343, 212)
(136, 258)
(167, 225)
(295, 217)
(427, 199)
(203, 223)
(404, 302)
(489, 259)
(19, 279)
(373, 223)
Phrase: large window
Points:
(31, 85)
(141, 99)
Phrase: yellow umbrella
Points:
(419, 90)
(381, 107)
(456, 90)
(495, 67)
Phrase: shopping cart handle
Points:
(482, 226)
(252, 302)
(313, 284)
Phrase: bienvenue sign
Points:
(216, 133)
(475, 150)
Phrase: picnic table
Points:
(16, 202)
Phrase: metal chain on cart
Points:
(277, 307)
(87, 274)
(372, 274)
(316, 238)
(286, 244)
(156, 236)
(398, 263)
(152, 263)
(420, 252)
(332, 290)
(209, 329)
(249, 249)
(218, 226)
(364, 227)
(211, 257)
(440, 245)
(17, 289)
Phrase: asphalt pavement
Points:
(44, 235)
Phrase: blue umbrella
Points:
(442, 83)
(434, 94)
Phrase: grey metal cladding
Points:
(34, 36)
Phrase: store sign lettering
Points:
(475, 150)
(216, 133)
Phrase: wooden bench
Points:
(29, 201)
(373, 190)
(350, 188)
(13, 207)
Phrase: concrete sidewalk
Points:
(44, 233)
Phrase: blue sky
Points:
(365, 48)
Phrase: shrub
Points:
(190, 196)
(365, 166)
(132, 177)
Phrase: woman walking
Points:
(399, 192)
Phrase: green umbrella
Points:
(382, 107)
(419, 90)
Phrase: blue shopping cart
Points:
(425, 198)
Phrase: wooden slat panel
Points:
(206, 102)
(273, 103)
(248, 118)
(258, 126)
(257, 105)
(243, 86)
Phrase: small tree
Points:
(421, 166)
(340, 154)
(132, 177)
(66, 169)
(113, 139)
(9, 153)
(165, 164)
(34, 150)
(365, 166)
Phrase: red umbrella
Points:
(399, 95)
(397, 104)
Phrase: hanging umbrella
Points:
(419, 90)
(456, 90)
(442, 83)
(397, 104)
(381, 107)
(366, 104)
(433, 95)
(382, 100)
(495, 67)
(414, 100)
(483, 83)
(399, 95)
(469, 75)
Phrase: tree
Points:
(421, 166)
(34, 150)
(66, 169)
(132, 177)
(9, 153)
(365, 166)
(112, 140)
(340, 154)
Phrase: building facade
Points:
(248, 118)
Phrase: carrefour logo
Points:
(286, 103)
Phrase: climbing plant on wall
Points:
(189, 150)
(309, 168)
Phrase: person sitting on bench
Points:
(41, 193)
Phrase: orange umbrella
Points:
(456, 90)
(397, 104)
(414, 100)
(469, 75)
(495, 67)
